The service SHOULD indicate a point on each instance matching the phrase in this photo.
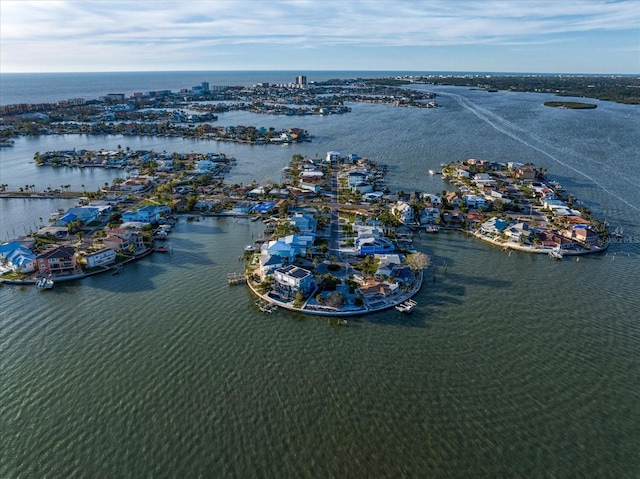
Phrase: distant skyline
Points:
(526, 36)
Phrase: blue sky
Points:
(554, 36)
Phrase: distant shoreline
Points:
(570, 105)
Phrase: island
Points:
(337, 241)
(570, 105)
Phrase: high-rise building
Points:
(301, 80)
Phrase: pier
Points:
(236, 278)
(266, 306)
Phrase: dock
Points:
(236, 278)
(266, 306)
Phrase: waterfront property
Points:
(14, 256)
(58, 261)
(102, 257)
(291, 280)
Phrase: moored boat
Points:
(407, 306)
(44, 283)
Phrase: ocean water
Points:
(512, 365)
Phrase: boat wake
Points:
(519, 134)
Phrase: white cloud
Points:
(57, 29)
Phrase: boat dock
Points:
(266, 306)
(407, 306)
(236, 278)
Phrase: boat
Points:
(160, 249)
(555, 254)
(618, 233)
(407, 306)
(44, 283)
(249, 248)
(435, 172)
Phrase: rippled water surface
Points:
(511, 366)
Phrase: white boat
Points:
(555, 254)
(407, 306)
(249, 248)
(44, 283)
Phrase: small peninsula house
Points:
(58, 260)
(290, 280)
(143, 214)
(17, 257)
(103, 257)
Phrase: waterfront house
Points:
(290, 280)
(403, 212)
(483, 180)
(17, 257)
(86, 214)
(462, 173)
(455, 218)
(268, 263)
(58, 260)
(582, 234)
(264, 208)
(551, 239)
(204, 167)
(356, 177)
(429, 216)
(57, 231)
(526, 173)
(121, 239)
(433, 200)
(278, 247)
(205, 205)
(242, 207)
(518, 232)
(104, 257)
(494, 226)
(372, 290)
(386, 263)
(311, 184)
(143, 214)
(64, 221)
(334, 157)
(371, 241)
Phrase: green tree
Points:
(298, 300)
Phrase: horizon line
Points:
(467, 72)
